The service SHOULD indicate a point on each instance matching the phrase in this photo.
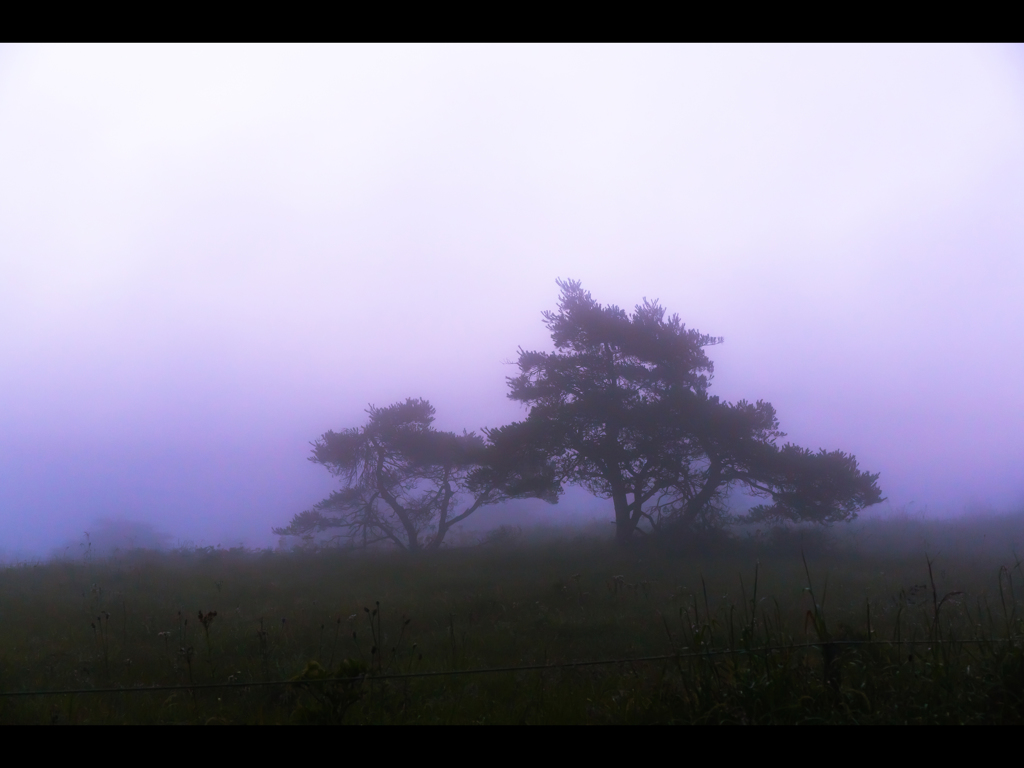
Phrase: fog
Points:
(212, 255)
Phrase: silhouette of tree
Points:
(621, 407)
(404, 482)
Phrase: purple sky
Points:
(210, 256)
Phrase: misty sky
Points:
(211, 255)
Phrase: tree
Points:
(622, 408)
(404, 482)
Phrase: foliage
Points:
(403, 481)
(327, 702)
(739, 643)
(622, 408)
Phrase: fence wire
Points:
(494, 670)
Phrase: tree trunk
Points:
(399, 510)
(695, 505)
(624, 524)
(442, 521)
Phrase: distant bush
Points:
(504, 535)
(109, 535)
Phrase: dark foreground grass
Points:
(751, 635)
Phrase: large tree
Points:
(405, 483)
(622, 408)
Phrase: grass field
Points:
(791, 652)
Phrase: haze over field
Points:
(211, 255)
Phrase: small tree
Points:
(622, 408)
(408, 484)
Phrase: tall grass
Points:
(769, 628)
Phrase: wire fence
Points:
(494, 670)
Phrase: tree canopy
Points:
(405, 483)
(622, 407)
